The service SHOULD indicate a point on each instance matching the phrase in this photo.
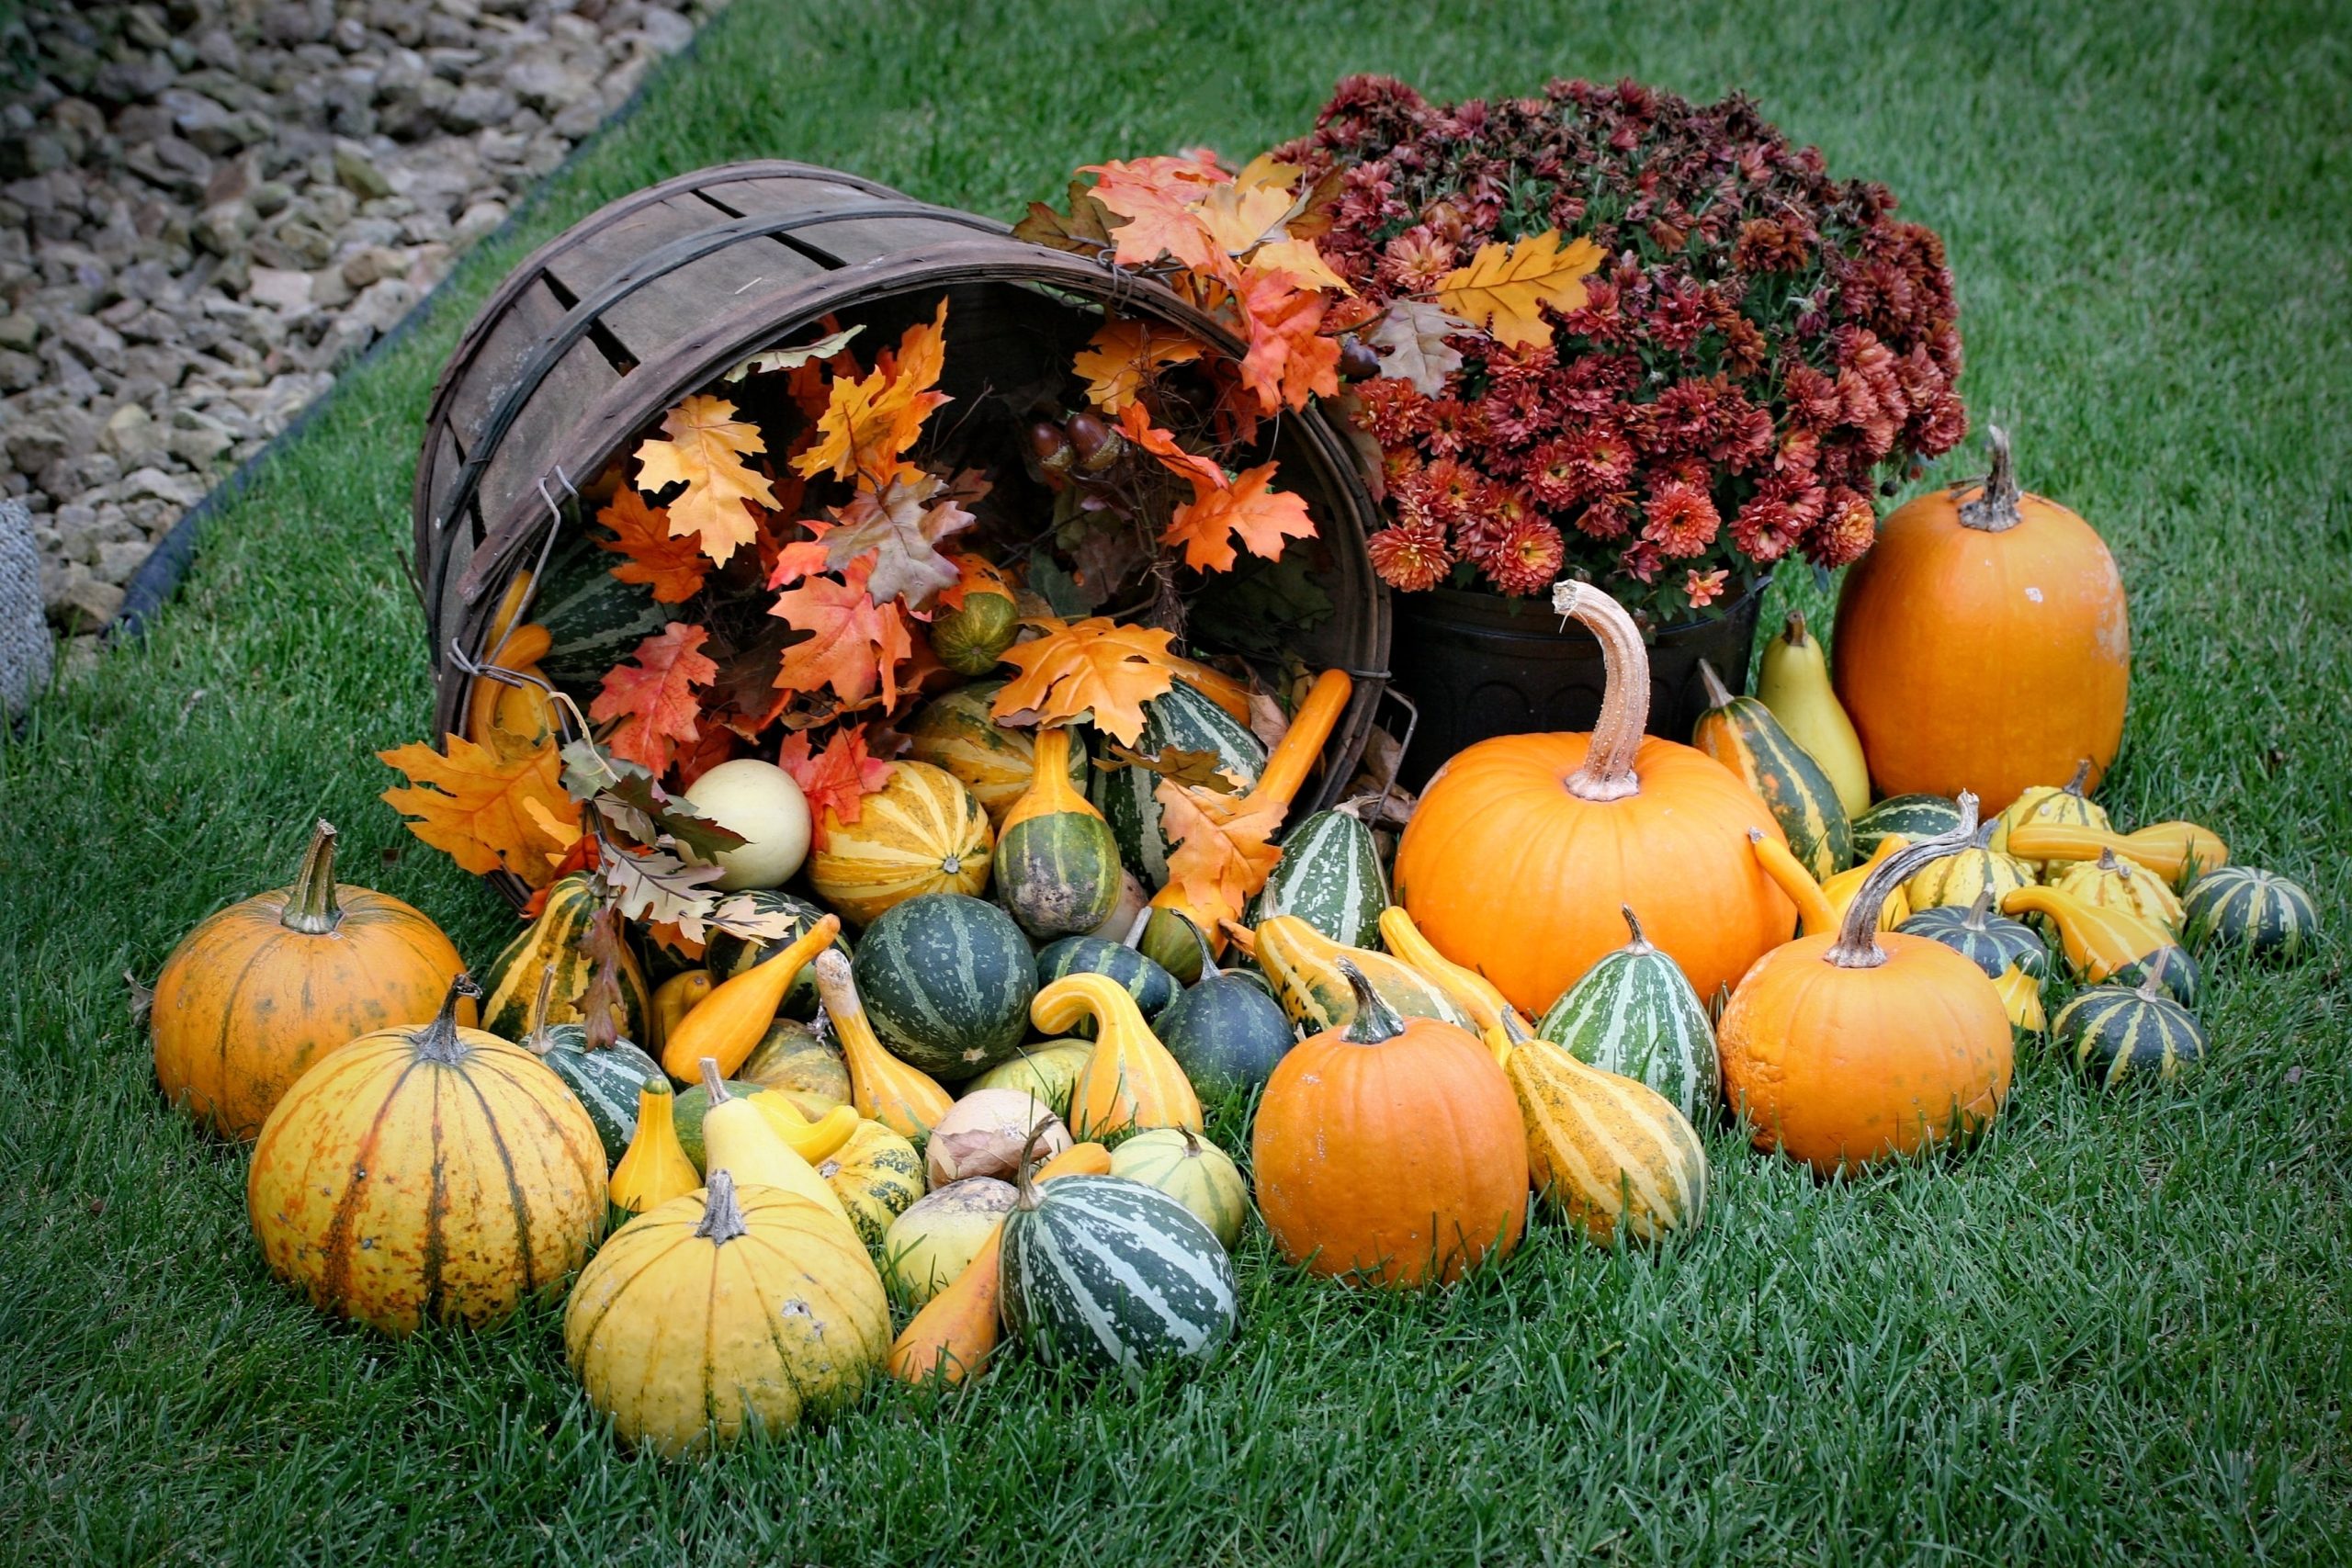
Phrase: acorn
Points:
(1054, 452)
(1098, 445)
(1359, 361)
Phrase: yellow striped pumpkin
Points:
(2119, 883)
(1742, 734)
(922, 832)
(427, 1172)
(1605, 1150)
(954, 732)
(1303, 966)
(2065, 805)
(1957, 879)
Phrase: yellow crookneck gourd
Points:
(1794, 682)
(2021, 999)
(883, 1089)
(2105, 944)
(738, 1135)
(654, 1168)
(2177, 851)
(1840, 889)
(672, 999)
(1130, 1083)
(1471, 992)
(1609, 1152)
(732, 1020)
(511, 719)
(1303, 966)
(1814, 913)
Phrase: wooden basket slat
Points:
(530, 318)
(581, 377)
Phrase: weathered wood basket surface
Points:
(599, 332)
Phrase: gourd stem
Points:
(1025, 1175)
(1980, 910)
(1718, 694)
(1857, 945)
(535, 1039)
(2108, 863)
(722, 1212)
(439, 1041)
(311, 907)
(713, 1085)
(1209, 971)
(2075, 785)
(1794, 633)
(1640, 943)
(1375, 1021)
(1192, 1143)
(1142, 923)
(1607, 772)
(1994, 509)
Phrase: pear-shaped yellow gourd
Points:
(1794, 682)
(738, 1135)
(654, 1168)
(1131, 1081)
(1611, 1153)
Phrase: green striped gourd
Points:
(1056, 863)
(2245, 909)
(1634, 1014)
(970, 639)
(1329, 876)
(1193, 1171)
(557, 944)
(593, 619)
(1152, 987)
(946, 980)
(1911, 817)
(1114, 1275)
(2116, 1033)
(1742, 734)
(605, 1080)
(1226, 1030)
(1994, 944)
(728, 955)
(954, 732)
(1179, 719)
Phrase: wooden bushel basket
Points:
(602, 330)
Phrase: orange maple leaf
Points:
(869, 424)
(1155, 197)
(705, 451)
(1134, 423)
(1504, 285)
(835, 780)
(671, 566)
(1289, 360)
(476, 808)
(1096, 666)
(1123, 356)
(654, 697)
(1262, 517)
(855, 644)
(1222, 854)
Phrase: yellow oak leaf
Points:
(869, 422)
(1504, 285)
(1222, 853)
(1120, 358)
(705, 452)
(1095, 666)
(486, 813)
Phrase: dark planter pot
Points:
(1479, 665)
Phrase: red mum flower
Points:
(1393, 410)
(1449, 427)
(1940, 426)
(1528, 558)
(1683, 418)
(1682, 521)
(1410, 555)
(1845, 531)
(1642, 561)
(1516, 415)
(1610, 517)
(1449, 488)
(1814, 401)
(1704, 588)
(1552, 476)
(1400, 467)
(1765, 530)
(1414, 260)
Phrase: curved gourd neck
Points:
(1209, 971)
(1995, 508)
(1049, 793)
(1113, 1007)
(1718, 694)
(1607, 773)
(722, 1212)
(311, 906)
(1375, 1022)
(1025, 1175)
(439, 1041)
(1857, 945)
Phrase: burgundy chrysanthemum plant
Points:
(1758, 349)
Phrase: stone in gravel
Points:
(295, 22)
(280, 288)
(115, 563)
(154, 484)
(18, 372)
(355, 167)
(20, 331)
(478, 105)
(667, 31)
(294, 244)
(75, 599)
(478, 221)
(132, 435)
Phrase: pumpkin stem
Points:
(1980, 910)
(1857, 945)
(2075, 785)
(439, 1041)
(311, 907)
(2108, 863)
(713, 1085)
(1718, 694)
(1640, 943)
(722, 1212)
(536, 1038)
(1794, 633)
(1994, 509)
(1607, 773)
(1375, 1021)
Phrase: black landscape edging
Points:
(158, 577)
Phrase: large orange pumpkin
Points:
(1983, 644)
(256, 994)
(1525, 847)
(1389, 1151)
(1843, 1050)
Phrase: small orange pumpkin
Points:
(1842, 1050)
(1390, 1152)
(1983, 644)
(256, 994)
(1525, 847)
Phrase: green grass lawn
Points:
(2117, 1332)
